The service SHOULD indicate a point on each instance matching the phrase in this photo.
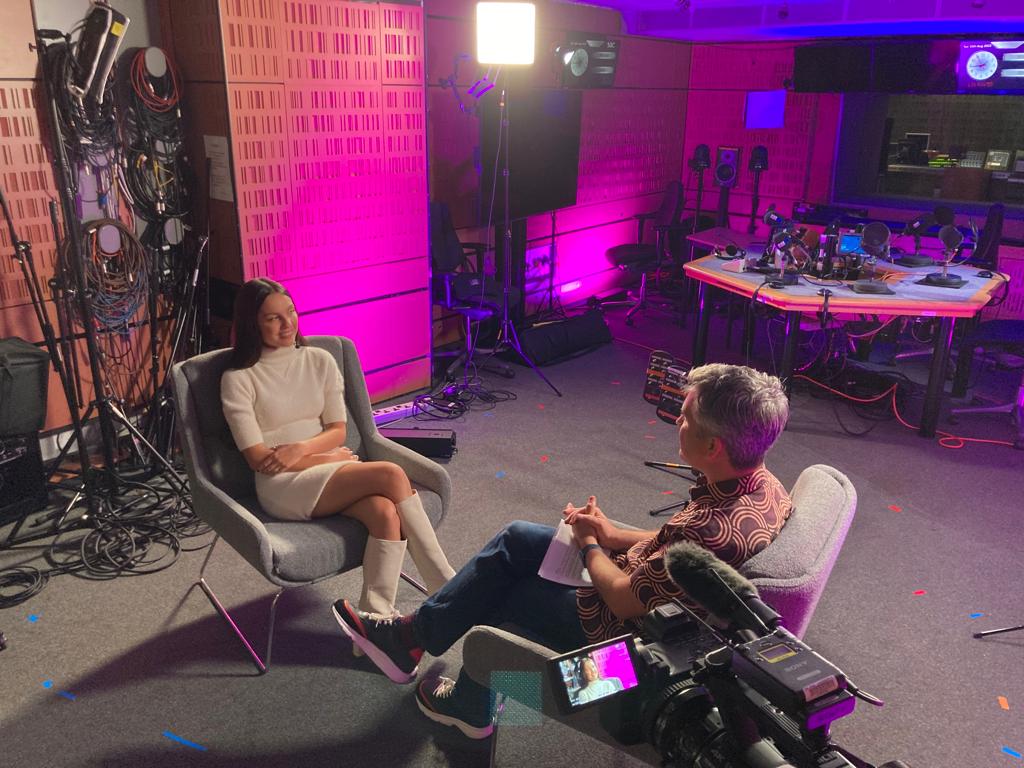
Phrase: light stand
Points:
(507, 338)
(505, 36)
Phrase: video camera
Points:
(733, 691)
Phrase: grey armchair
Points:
(288, 554)
(790, 574)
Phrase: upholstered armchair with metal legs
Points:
(287, 554)
(790, 574)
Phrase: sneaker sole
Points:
(377, 656)
(469, 730)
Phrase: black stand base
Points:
(870, 286)
(914, 260)
(940, 280)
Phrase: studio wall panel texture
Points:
(326, 109)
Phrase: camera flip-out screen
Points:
(589, 675)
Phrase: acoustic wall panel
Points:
(331, 41)
(387, 331)
(326, 108)
(251, 33)
(259, 142)
(27, 180)
(401, 37)
(630, 144)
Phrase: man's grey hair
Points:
(744, 408)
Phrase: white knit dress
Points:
(287, 396)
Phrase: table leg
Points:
(700, 334)
(789, 350)
(936, 378)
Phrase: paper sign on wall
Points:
(220, 168)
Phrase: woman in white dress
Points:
(284, 402)
(594, 686)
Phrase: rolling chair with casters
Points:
(286, 553)
(790, 575)
(1001, 336)
(460, 285)
(638, 257)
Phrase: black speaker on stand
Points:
(727, 173)
(758, 163)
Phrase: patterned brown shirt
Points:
(735, 519)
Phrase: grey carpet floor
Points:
(114, 673)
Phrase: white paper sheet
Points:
(220, 168)
(562, 562)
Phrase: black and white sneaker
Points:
(384, 640)
(440, 701)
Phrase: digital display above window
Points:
(993, 66)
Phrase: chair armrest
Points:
(419, 468)
(641, 219)
(478, 250)
(234, 523)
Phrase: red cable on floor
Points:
(947, 440)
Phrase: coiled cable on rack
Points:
(117, 282)
(88, 127)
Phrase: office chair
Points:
(286, 553)
(1000, 336)
(461, 285)
(790, 575)
(637, 258)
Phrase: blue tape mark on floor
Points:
(33, 618)
(47, 683)
(1012, 753)
(67, 695)
(500, 474)
(977, 615)
(186, 742)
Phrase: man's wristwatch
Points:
(586, 548)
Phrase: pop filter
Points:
(701, 157)
(875, 238)
(951, 237)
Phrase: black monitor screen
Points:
(544, 154)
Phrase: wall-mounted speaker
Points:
(727, 166)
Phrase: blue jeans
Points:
(500, 584)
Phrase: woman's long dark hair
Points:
(248, 341)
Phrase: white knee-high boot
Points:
(382, 565)
(426, 552)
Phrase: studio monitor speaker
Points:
(727, 166)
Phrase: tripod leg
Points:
(519, 351)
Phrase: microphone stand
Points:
(699, 166)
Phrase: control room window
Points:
(908, 148)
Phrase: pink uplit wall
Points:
(324, 108)
(630, 148)
(800, 154)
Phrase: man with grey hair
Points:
(730, 417)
